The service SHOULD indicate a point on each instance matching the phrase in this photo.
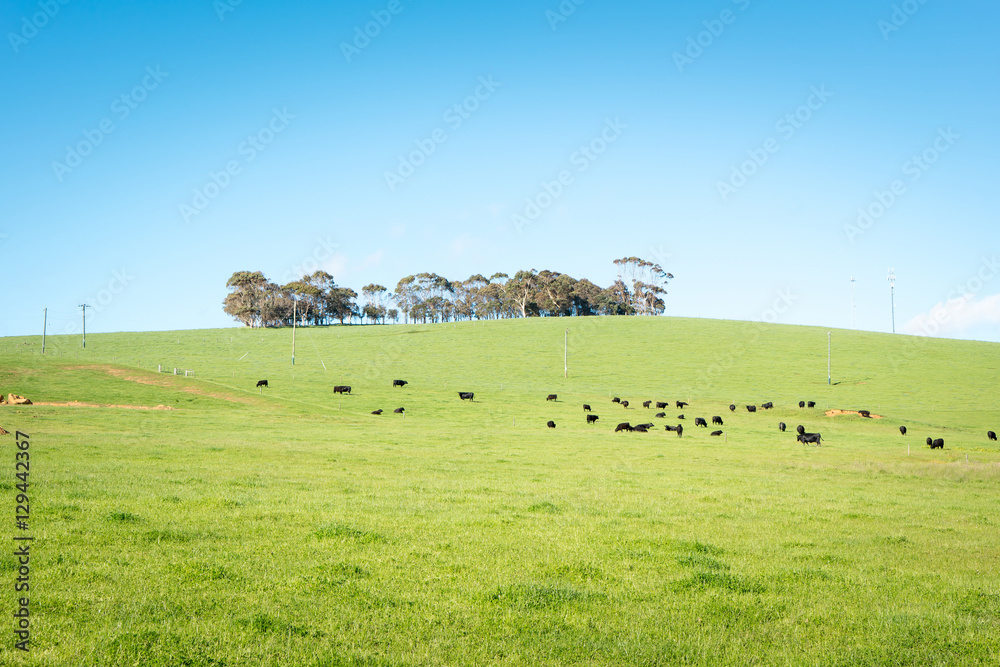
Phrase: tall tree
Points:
(248, 291)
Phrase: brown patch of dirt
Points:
(78, 404)
(157, 381)
(834, 413)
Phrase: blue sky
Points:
(150, 150)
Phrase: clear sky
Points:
(152, 149)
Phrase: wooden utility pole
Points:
(84, 306)
(566, 354)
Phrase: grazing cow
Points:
(991, 435)
(641, 428)
(668, 427)
(399, 411)
(768, 405)
(624, 426)
(800, 429)
(625, 404)
(550, 424)
(716, 433)
(781, 426)
(865, 413)
(660, 415)
(592, 418)
(902, 430)
(935, 444)
(700, 421)
(650, 425)
(681, 405)
(646, 404)
(616, 400)
(811, 404)
(751, 408)
(261, 383)
(732, 407)
(680, 430)
(717, 420)
(810, 438)
(399, 383)
(376, 412)
(660, 405)
(466, 395)
(802, 404)
(586, 407)
(342, 389)
(550, 397)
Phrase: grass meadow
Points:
(289, 526)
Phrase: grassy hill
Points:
(290, 526)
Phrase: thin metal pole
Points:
(829, 356)
(84, 306)
(566, 354)
(295, 311)
(45, 324)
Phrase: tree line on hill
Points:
(427, 297)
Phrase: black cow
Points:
(261, 383)
(810, 438)
(680, 416)
(376, 412)
(616, 400)
(732, 407)
(681, 405)
(399, 383)
(902, 430)
(716, 433)
(550, 424)
(717, 420)
(781, 426)
(811, 404)
(649, 425)
(660, 405)
(802, 404)
(800, 429)
(935, 444)
(641, 428)
(342, 389)
(586, 407)
(680, 430)
(768, 405)
(592, 418)
(466, 395)
(625, 404)
(660, 415)
(670, 428)
(751, 408)
(399, 411)
(865, 413)
(699, 421)
(646, 404)
(991, 435)
(550, 397)
(624, 426)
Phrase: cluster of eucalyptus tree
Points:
(428, 297)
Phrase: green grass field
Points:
(290, 526)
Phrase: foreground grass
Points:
(291, 527)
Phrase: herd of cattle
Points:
(801, 434)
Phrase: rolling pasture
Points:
(289, 526)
